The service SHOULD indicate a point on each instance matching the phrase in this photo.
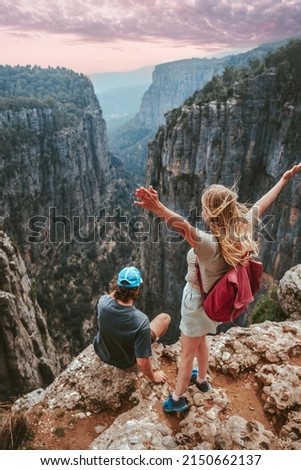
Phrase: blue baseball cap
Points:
(129, 277)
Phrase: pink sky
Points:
(91, 36)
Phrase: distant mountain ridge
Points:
(109, 81)
(119, 105)
(120, 93)
(173, 83)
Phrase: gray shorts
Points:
(153, 336)
(194, 321)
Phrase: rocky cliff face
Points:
(62, 195)
(46, 165)
(251, 139)
(28, 357)
(173, 82)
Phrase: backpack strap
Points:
(198, 272)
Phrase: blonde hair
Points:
(231, 223)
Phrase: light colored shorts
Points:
(194, 321)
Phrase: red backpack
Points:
(233, 292)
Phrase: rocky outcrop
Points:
(289, 293)
(263, 360)
(28, 357)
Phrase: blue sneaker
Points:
(194, 375)
(202, 386)
(170, 405)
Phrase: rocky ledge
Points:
(255, 401)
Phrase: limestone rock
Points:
(139, 428)
(282, 387)
(90, 384)
(289, 293)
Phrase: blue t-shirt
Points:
(123, 333)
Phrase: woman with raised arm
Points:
(229, 242)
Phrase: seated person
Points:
(125, 334)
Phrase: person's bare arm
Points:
(145, 364)
(265, 201)
(149, 200)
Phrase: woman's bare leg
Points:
(202, 355)
(189, 347)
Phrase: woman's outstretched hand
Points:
(148, 198)
(290, 173)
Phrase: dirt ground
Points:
(65, 430)
(74, 430)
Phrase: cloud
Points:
(228, 23)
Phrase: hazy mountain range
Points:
(120, 93)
